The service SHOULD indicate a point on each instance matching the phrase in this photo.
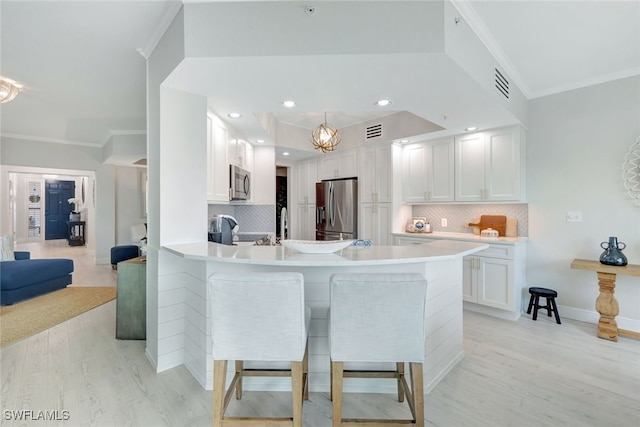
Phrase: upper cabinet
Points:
(490, 166)
(334, 165)
(307, 175)
(428, 172)
(223, 149)
(375, 172)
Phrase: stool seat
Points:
(534, 302)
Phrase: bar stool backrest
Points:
(377, 317)
(258, 316)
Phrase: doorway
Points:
(57, 208)
(281, 202)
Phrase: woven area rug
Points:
(29, 317)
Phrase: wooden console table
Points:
(606, 303)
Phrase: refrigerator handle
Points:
(332, 213)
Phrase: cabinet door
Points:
(470, 167)
(440, 171)
(503, 165)
(306, 227)
(347, 164)
(218, 164)
(375, 174)
(327, 168)
(469, 279)
(307, 176)
(366, 175)
(414, 173)
(210, 160)
(495, 283)
(374, 222)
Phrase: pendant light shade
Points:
(324, 137)
(8, 90)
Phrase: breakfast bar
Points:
(439, 261)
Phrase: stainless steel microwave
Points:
(240, 183)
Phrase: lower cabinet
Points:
(493, 280)
(488, 281)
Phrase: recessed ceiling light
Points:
(234, 115)
(286, 153)
(470, 128)
(288, 104)
(403, 141)
(383, 103)
(260, 141)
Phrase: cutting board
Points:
(497, 222)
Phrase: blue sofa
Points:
(26, 278)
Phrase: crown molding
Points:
(468, 13)
(50, 140)
(171, 10)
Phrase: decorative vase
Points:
(74, 216)
(612, 254)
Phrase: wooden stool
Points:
(534, 301)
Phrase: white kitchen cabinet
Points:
(239, 152)
(428, 172)
(488, 281)
(305, 227)
(218, 164)
(489, 166)
(342, 165)
(375, 174)
(493, 280)
(374, 222)
(306, 178)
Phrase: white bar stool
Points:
(258, 317)
(376, 317)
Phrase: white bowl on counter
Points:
(316, 246)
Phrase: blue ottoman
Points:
(27, 278)
(123, 253)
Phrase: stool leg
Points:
(297, 392)
(400, 374)
(555, 310)
(530, 304)
(535, 307)
(239, 368)
(336, 391)
(549, 306)
(219, 379)
(417, 390)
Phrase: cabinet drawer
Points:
(497, 251)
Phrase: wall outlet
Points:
(443, 222)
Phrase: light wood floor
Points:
(522, 373)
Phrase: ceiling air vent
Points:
(373, 131)
(502, 84)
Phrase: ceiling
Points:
(83, 68)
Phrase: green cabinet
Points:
(131, 303)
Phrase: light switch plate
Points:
(574, 216)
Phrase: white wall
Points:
(128, 202)
(576, 145)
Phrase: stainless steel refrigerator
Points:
(337, 209)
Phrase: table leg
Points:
(607, 306)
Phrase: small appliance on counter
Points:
(222, 229)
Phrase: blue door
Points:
(57, 208)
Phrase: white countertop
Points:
(466, 237)
(375, 255)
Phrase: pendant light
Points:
(324, 137)
(8, 90)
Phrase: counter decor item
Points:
(489, 233)
(612, 254)
(418, 225)
(495, 222)
(316, 246)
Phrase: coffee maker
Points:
(222, 228)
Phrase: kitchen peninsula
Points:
(439, 261)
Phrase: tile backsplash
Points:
(251, 218)
(459, 215)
